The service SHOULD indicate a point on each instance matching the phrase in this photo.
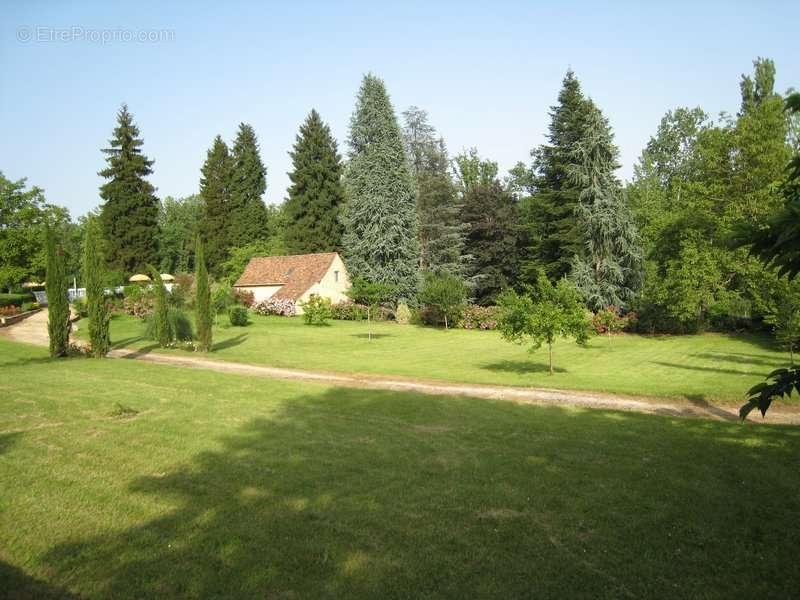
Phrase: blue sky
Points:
(486, 72)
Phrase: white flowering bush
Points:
(274, 306)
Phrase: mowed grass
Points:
(713, 367)
(123, 479)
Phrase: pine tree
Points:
(202, 299)
(94, 276)
(551, 226)
(130, 212)
(441, 233)
(491, 241)
(380, 240)
(606, 268)
(58, 325)
(316, 195)
(215, 190)
(248, 214)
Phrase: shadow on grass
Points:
(521, 367)
(230, 342)
(743, 359)
(125, 341)
(705, 369)
(15, 584)
(699, 401)
(358, 493)
(375, 336)
(7, 440)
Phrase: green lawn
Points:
(699, 367)
(132, 480)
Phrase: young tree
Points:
(551, 225)
(316, 196)
(606, 268)
(441, 233)
(248, 214)
(58, 325)
(371, 295)
(380, 240)
(446, 293)
(785, 317)
(129, 214)
(94, 276)
(215, 192)
(160, 317)
(202, 303)
(491, 241)
(546, 314)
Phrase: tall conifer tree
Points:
(56, 288)
(441, 233)
(94, 276)
(606, 267)
(215, 183)
(551, 225)
(380, 240)
(316, 195)
(130, 212)
(248, 214)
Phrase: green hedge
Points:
(15, 299)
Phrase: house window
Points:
(336, 276)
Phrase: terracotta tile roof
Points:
(295, 273)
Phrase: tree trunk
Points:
(369, 325)
(445, 320)
(550, 352)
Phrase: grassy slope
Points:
(703, 367)
(234, 487)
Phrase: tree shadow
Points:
(7, 440)
(125, 341)
(703, 369)
(743, 358)
(521, 367)
(230, 342)
(363, 493)
(375, 336)
(143, 351)
(15, 584)
(699, 401)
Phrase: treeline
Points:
(399, 207)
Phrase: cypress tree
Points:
(202, 299)
(58, 325)
(491, 241)
(130, 213)
(94, 276)
(606, 268)
(160, 310)
(316, 195)
(380, 240)
(215, 182)
(441, 233)
(551, 225)
(248, 213)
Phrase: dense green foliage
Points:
(491, 240)
(179, 222)
(23, 213)
(380, 241)
(316, 195)
(94, 266)
(58, 325)
(543, 315)
(202, 299)
(130, 210)
(215, 190)
(237, 315)
(248, 181)
(446, 294)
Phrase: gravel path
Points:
(34, 331)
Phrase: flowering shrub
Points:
(275, 306)
(8, 311)
(244, 297)
(403, 314)
(610, 320)
(347, 310)
(479, 317)
(139, 303)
